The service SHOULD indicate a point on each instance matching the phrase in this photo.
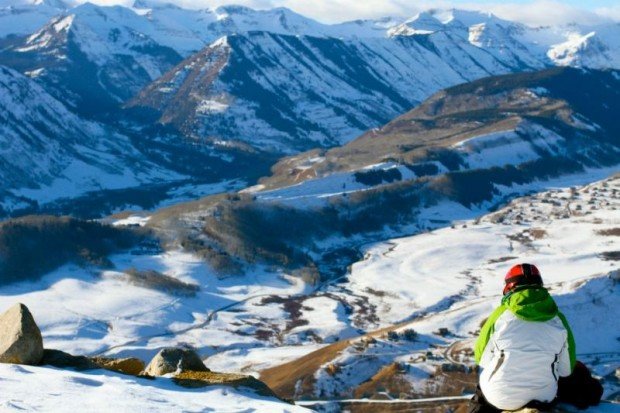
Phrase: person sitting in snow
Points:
(525, 348)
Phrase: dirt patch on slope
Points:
(297, 376)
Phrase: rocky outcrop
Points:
(130, 365)
(171, 360)
(60, 359)
(20, 337)
(197, 379)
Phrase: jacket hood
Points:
(532, 304)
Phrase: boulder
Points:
(64, 360)
(171, 360)
(20, 337)
(130, 365)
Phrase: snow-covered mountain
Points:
(274, 78)
(49, 153)
(52, 160)
(91, 58)
(295, 92)
(292, 92)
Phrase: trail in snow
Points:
(200, 325)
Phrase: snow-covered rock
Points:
(171, 360)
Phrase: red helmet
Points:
(522, 274)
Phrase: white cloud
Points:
(545, 12)
(609, 12)
(535, 12)
(327, 11)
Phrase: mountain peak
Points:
(424, 21)
(466, 17)
(153, 4)
(243, 11)
(235, 9)
(57, 4)
(439, 18)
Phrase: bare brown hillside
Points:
(448, 117)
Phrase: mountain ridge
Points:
(299, 86)
(420, 172)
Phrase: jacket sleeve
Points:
(485, 334)
(568, 356)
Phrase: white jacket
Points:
(523, 360)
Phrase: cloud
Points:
(531, 12)
(327, 11)
(545, 12)
(612, 13)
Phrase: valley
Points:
(398, 326)
(330, 208)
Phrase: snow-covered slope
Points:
(46, 389)
(283, 92)
(448, 278)
(292, 93)
(451, 279)
(49, 153)
(91, 58)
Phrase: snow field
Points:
(452, 278)
(45, 389)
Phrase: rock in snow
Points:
(170, 360)
(129, 365)
(60, 359)
(20, 337)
